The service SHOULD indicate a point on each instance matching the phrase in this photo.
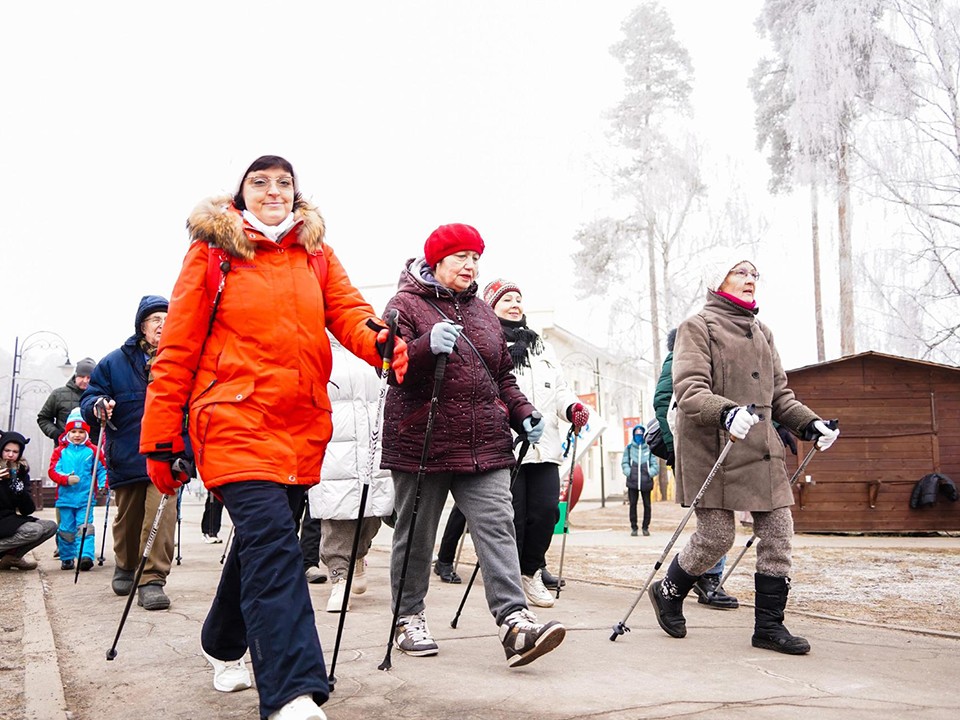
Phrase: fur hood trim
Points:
(217, 222)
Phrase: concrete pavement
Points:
(853, 671)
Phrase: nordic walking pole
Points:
(621, 627)
(106, 515)
(391, 320)
(535, 418)
(86, 514)
(226, 545)
(421, 471)
(833, 425)
(179, 498)
(456, 560)
(566, 516)
(112, 652)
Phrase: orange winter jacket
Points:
(257, 393)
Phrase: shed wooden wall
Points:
(899, 420)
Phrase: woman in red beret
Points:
(471, 451)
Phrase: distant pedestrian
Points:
(20, 532)
(211, 519)
(472, 448)
(52, 417)
(725, 361)
(71, 467)
(640, 467)
(245, 353)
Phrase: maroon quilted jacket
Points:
(476, 408)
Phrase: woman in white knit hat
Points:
(724, 361)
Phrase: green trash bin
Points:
(558, 528)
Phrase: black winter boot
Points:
(667, 598)
(769, 632)
(709, 593)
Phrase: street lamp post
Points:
(36, 339)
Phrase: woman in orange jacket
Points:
(245, 353)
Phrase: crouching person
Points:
(20, 532)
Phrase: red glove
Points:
(578, 415)
(400, 360)
(162, 476)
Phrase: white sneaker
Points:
(413, 636)
(536, 592)
(229, 676)
(359, 584)
(211, 539)
(300, 708)
(335, 603)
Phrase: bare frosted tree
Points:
(661, 176)
(914, 161)
(827, 70)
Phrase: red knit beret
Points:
(77, 425)
(496, 289)
(450, 239)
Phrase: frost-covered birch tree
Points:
(912, 154)
(660, 176)
(827, 70)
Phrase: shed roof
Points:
(884, 356)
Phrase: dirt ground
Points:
(895, 586)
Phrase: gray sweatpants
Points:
(487, 504)
(336, 543)
(716, 531)
(28, 536)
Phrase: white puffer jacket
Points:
(544, 386)
(354, 389)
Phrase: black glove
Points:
(787, 438)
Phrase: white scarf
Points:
(274, 232)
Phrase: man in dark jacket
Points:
(19, 531)
(53, 415)
(117, 392)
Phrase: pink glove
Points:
(578, 415)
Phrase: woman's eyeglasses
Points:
(261, 182)
(740, 272)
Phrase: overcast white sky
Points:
(119, 117)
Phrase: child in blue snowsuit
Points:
(71, 467)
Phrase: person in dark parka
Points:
(472, 447)
(20, 532)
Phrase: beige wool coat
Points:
(725, 357)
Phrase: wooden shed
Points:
(899, 420)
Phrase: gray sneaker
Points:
(413, 636)
(122, 581)
(524, 639)
(152, 597)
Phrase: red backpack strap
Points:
(318, 261)
(216, 272)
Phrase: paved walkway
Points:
(853, 672)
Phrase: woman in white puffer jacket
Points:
(536, 490)
(354, 390)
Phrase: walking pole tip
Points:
(619, 629)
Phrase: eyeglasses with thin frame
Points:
(262, 182)
(155, 320)
(741, 272)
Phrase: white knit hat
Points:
(717, 262)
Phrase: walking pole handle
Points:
(390, 318)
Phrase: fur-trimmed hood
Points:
(216, 221)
